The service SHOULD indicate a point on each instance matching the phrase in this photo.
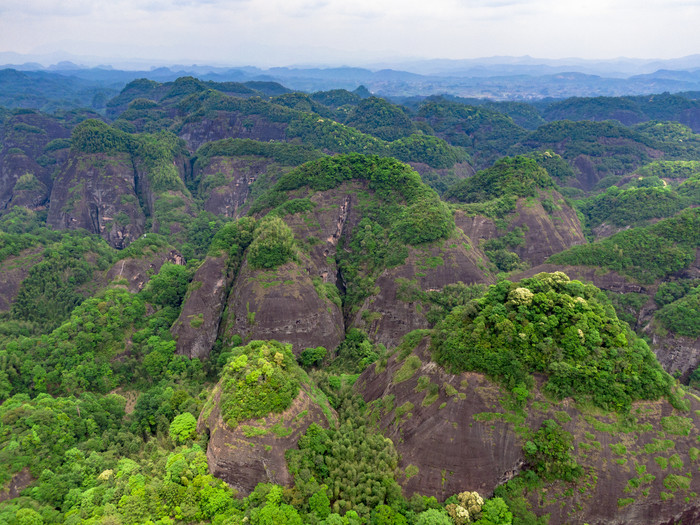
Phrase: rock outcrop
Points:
(253, 452)
(198, 324)
(283, 304)
(678, 355)
(231, 125)
(247, 444)
(457, 436)
(225, 182)
(136, 271)
(452, 451)
(97, 192)
(544, 232)
(387, 317)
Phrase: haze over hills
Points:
(498, 78)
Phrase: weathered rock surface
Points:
(460, 440)
(676, 353)
(606, 230)
(387, 318)
(290, 304)
(545, 233)
(231, 125)
(477, 227)
(97, 192)
(198, 324)
(283, 304)
(16, 485)
(253, 452)
(137, 270)
(603, 279)
(12, 167)
(225, 182)
(453, 452)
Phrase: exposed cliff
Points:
(453, 434)
(283, 304)
(97, 192)
(197, 326)
(247, 443)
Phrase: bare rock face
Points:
(546, 233)
(387, 318)
(451, 450)
(253, 452)
(295, 303)
(603, 279)
(24, 137)
(96, 192)
(586, 173)
(676, 353)
(231, 125)
(285, 305)
(31, 132)
(606, 230)
(12, 167)
(34, 195)
(477, 227)
(197, 327)
(16, 485)
(226, 181)
(455, 436)
(137, 270)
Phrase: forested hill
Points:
(232, 302)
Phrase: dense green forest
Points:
(227, 303)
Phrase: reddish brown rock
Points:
(283, 304)
(16, 485)
(198, 324)
(387, 318)
(225, 182)
(231, 125)
(253, 452)
(678, 355)
(460, 439)
(136, 271)
(97, 192)
(545, 232)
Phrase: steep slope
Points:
(257, 411)
(96, 192)
(536, 433)
(112, 181)
(232, 172)
(514, 212)
(28, 137)
(356, 220)
(275, 296)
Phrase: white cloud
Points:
(301, 30)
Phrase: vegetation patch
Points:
(551, 325)
(259, 378)
(410, 366)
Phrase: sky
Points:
(349, 32)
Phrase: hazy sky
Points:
(280, 32)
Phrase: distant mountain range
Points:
(497, 78)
